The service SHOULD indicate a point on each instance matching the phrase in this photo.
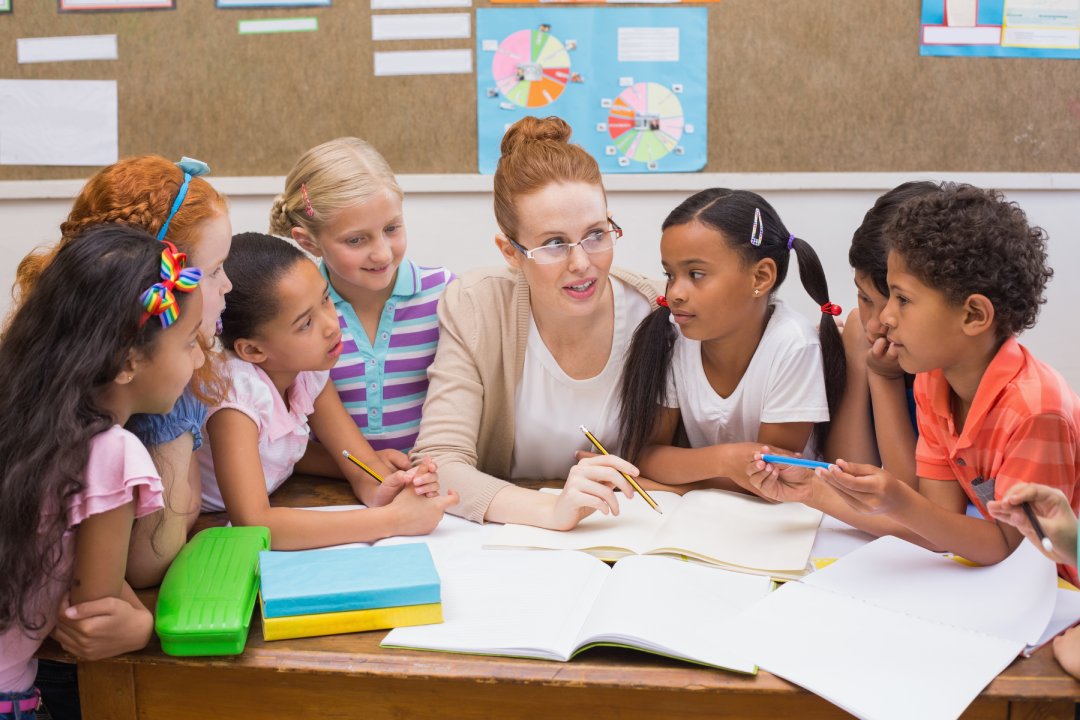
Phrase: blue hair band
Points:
(192, 168)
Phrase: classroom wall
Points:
(450, 222)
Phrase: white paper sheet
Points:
(271, 3)
(895, 631)
(424, 26)
(506, 603)
(417, 4)
(1066, 614)
(116, 4)
(835, 539)
(648, 44)
(423, 62)
(277, 25)
(58, 122)
(66, 48)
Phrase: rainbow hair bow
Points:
(159, 298)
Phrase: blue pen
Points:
(784, 460)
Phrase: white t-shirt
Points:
(785, 382)
(550, 406)
(283, 431)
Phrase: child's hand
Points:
(868, 489)
(425, 479)
(590, 486)
(394, 459)
(881, 359)
(1067, 651)
(417, 515)
(780, 483)
(102, 628)
(1055, 516)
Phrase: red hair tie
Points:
(830, 309)
(661, 301)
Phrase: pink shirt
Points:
(283, 431)
(119, 472)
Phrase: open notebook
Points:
(896, 631)
(733, 531)
(553, 605)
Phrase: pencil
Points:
(362, 465)
(784, 460)
(1047, 545)
(633, 483)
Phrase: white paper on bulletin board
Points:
(58, 122)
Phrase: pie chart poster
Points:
(630, 81)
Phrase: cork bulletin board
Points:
(794, 86)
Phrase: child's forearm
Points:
(671, 465)
(892, 427)
(158, 537)
(851, 433)
(297, 529)
(975, 539)
(829, 502)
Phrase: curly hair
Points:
(68, 340)
(963, 240)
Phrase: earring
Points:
(756, 292)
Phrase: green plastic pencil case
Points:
(206, 599)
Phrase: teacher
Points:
(530, 352)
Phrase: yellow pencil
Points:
(362, 465)
(633, 483)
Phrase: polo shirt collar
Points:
(1008, 362)
(284, 420)
(406, 285)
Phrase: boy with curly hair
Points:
(966, 274)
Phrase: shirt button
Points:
(373, 386)
(371, 362)
(385, 335)
(373, 412)
(960, 462)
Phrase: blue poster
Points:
(999, 28)
(630, 81)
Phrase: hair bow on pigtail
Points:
(159, 299)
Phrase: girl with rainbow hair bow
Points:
(79, 357)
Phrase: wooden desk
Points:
(350, 676)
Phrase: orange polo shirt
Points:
(1023, 426)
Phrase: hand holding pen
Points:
(423, 476)
(1044, 516)
(633, 483)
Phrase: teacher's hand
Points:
(590, 487)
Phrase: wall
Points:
(450, 222)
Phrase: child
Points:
(110, 329)
(875, 421)
(342, 204)
(741, 367)
(283, 337)
(966, 274)
(1058, 521)
(171, 200)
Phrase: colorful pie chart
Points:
(646, 122)
(531, 68)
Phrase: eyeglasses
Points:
(597, 241)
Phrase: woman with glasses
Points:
(531, 352)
